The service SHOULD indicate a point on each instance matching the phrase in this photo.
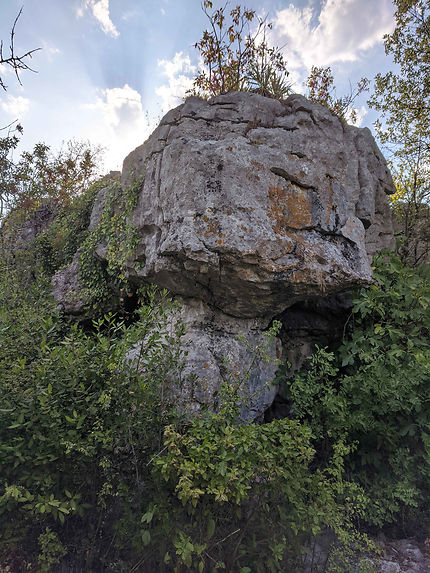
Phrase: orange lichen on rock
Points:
(290, 208)
(212, 226)
(221, 238)
(257, 165)
(252, 177)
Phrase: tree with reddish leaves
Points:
(237, 57)
(42, 175)
(320, 84)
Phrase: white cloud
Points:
(50, 50)
(180, 73)
(121, 124)
(100, 10)
(15, 106)
(120, 106)
(6, 70)
(341, 31)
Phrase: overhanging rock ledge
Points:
(248, 206)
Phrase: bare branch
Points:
(17, 63)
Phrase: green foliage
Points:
(245, 497)
(81, 417)
(92, 448)
(238, 59)
(373, 393)
(56, 246)
(118, 236)
(51, 551)
(403, 99)
(7, 145)
(320, 84)
(42, 175)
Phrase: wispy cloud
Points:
(16, 106)
(120, 105)
(180, 73)
(100, 10)
(122, 122)
(340, 32)
(50, 50)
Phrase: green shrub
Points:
(373, 392)
(56, 246)
(80, 420)
(244, 496)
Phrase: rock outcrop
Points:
(249, 206)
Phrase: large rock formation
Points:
(249, 206)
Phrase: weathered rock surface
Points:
(250, 206)
(20, 234)
(235, 350)
(67, 288)
(404, 556)
(391, 556)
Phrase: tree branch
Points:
(17, 63)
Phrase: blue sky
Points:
(109, 69)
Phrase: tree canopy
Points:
(403, 99)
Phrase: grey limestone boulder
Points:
(221, 348)
(247, 207)
(67, 288)
(252, 204)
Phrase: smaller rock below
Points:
(67, 289)
(414, 553)
(404, 556)
(389, 567)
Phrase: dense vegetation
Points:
(101, 469)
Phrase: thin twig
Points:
(156, 455)
(15, 62)
(229, 535)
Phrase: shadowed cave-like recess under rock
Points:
(253, 209)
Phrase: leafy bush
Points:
(97, 462)
(244, 497)
(41, 174)
(120, 239)
(56, 246)
(79, 423)
(373, 392)
(238, 59)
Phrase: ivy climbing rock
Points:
(248, 206)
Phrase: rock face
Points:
(252, 204)
(249, 206)
(404, 556)
(66, 288)
(221, 347)
(18, 235)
